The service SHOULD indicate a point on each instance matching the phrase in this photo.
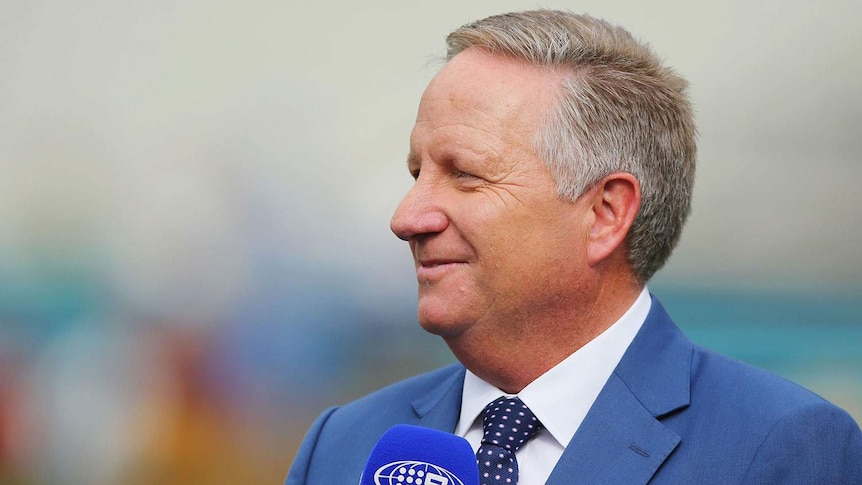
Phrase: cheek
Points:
(539, 245)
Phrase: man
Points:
(554, 162)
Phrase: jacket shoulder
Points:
(760, 393)
(349, 432)
(767, 429)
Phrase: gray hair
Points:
(619, 110)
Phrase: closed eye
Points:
(461, 174)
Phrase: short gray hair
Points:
(619, 110)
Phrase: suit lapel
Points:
(440, 407)
(621, 440)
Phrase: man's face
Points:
(494, 246)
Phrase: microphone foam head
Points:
(412, 455)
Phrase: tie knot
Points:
(508, 423)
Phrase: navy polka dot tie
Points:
(508, 423)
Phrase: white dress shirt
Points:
(560, 398)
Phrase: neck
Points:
(512, 359)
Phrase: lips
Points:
(432, 269)
(431, 263)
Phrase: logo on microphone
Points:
(414, 473)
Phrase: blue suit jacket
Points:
(671, 412)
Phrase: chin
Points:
(442, 325)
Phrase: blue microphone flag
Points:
(412, 455)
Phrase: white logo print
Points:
(414, 473)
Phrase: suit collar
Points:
(440, 407)
(657, 365)
(621, 439)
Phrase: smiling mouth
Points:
(436, 264)
(429, 270)
(433, 263)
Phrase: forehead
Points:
(490, 84)
(483, 99)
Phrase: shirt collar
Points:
(561, 397)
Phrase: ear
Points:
(615, 203)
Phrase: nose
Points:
(419, 212)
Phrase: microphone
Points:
(413, 455)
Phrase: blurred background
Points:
(195, 257)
